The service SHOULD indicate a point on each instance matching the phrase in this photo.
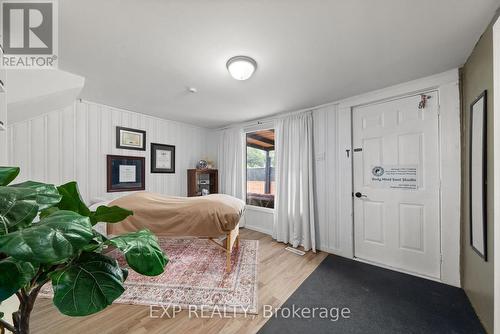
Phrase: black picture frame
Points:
(482, 98)
(114, 184)
(120, 144)
(155, 147)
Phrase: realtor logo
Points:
(29, 33)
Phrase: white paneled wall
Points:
(326, 176)
(327, 191)
(72, 144)
(259, 219)
(3, 118)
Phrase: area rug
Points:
(195, 277)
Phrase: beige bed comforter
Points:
(206, 216)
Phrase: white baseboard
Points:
(259, 229)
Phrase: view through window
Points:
(260, 168)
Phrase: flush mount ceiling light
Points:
(241, 67)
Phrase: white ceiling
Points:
(142, 54)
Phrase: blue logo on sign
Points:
(378, 171)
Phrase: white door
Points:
(397, 184)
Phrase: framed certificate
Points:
(162, 158)
(130, 139)
(125, 173)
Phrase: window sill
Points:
(259, 208)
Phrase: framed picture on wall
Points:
(477, 177)
(125, 173)
(162, 158)
(130, 139)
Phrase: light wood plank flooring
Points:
(280, 274)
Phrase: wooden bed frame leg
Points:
(232, 240)
(228, 261)
(228, 252)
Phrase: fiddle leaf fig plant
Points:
(47, 236)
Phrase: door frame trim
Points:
(447, 85)
(496, 162)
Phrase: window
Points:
(260, 168)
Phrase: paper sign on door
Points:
(394, 176)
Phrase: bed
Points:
(215, 217)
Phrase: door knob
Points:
(359, 195)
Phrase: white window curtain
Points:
(294, 202)
(230, 162)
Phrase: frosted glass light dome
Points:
(241, 67)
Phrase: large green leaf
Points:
(20, 203)
(96, 244)
(142, 252)
(56, 238)
(88, 285)
(71, 199)
(47, 212)
(109, 214)
(46, 195)
(17, 210)
(125, 273)
(8, 174)
(14, 274)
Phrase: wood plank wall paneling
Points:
(72, 144)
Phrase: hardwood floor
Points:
(280, 274)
